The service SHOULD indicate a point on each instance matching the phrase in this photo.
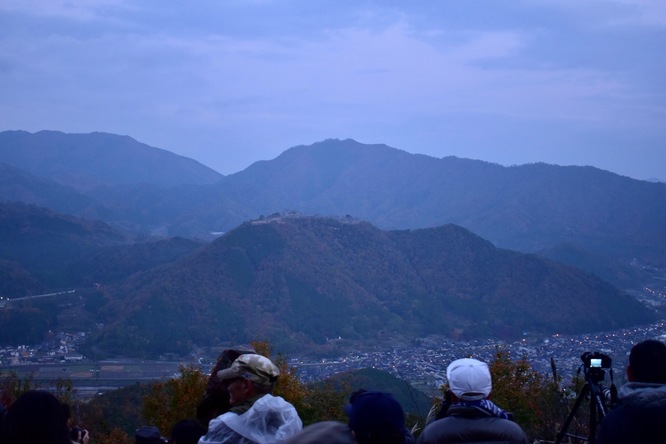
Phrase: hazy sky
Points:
(570, 82)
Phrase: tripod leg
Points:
(593, 421)
(579, 400)
(597, 412)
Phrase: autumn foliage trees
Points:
(174, 399)
(535, 400)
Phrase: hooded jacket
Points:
(640, 416)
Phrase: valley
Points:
(421, 362)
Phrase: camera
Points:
(596, 360)
(595, 365)
(74, 434)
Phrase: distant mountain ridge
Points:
(86, 161)
(305, 280)
(525, 207)
(529, 208)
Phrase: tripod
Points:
(593, 376)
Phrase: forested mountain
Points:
(41, 250)
(529, 208)
(300, 281)
(45, 252)
(87, 161)
(17, 185)
(620, 273)
(47, 245)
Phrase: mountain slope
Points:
(17, 185)
(44, 251)
(300, 280)
(48, 244)
(620, 274)
(85, 161)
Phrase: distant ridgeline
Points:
(589, 218)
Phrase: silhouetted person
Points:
(640, 416)
(36, 417)
(377, 418)
(374, 418)
(329, 432)
(3, 413)
(215, 400)
(187, 431)
(148, 435)
(77, 435)
(471, 416)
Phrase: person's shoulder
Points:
(507, 429)
(269, 401)
(516, 430)
(215, 422)
(511, 424)
(432, 431)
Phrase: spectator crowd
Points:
(238, 407)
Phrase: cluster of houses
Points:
(424, 361)
(59, 347)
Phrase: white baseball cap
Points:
(469, 379)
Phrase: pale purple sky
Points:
(569, 82)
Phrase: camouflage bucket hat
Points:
(256, 368)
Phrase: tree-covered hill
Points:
(47, 245)
(300, 281)
(17, 185)
(412, 400)
(42, 250)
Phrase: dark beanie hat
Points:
(375, 416)
(148, 435)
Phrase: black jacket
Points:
(639, 418)
(472, 425)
